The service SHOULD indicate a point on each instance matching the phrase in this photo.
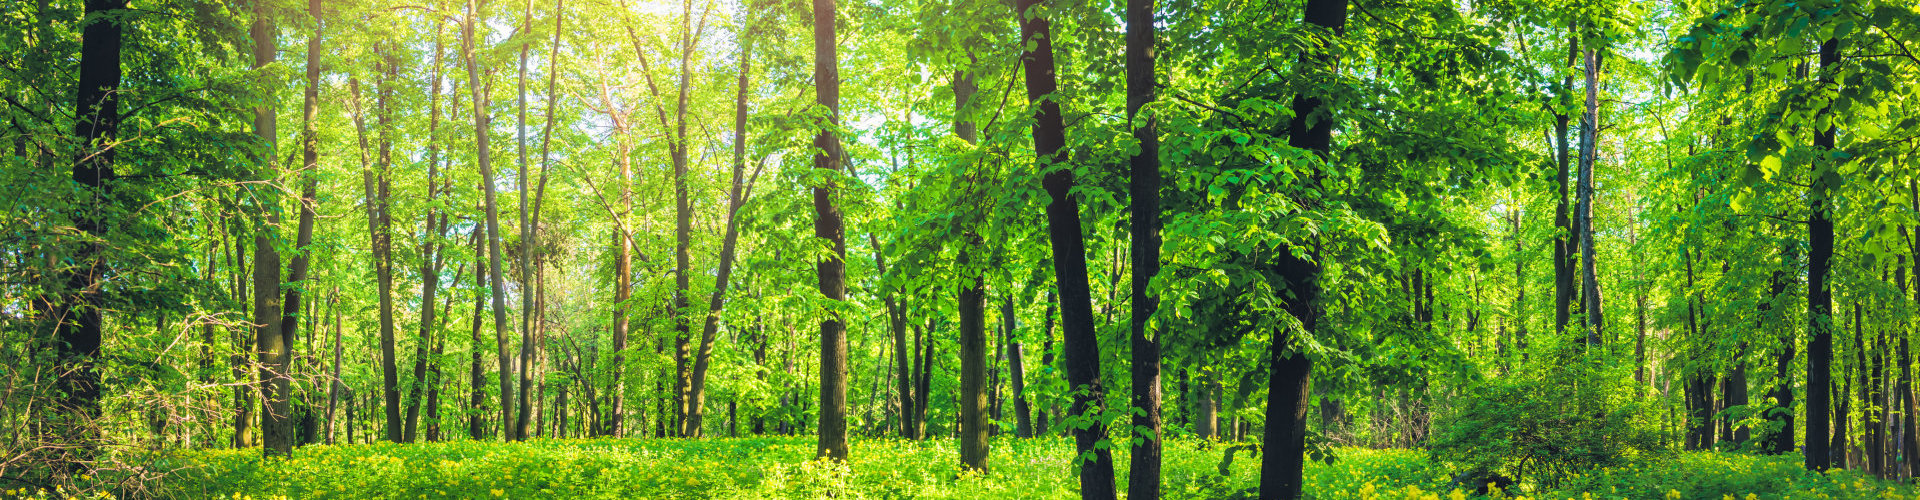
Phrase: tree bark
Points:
(1563, 292)
(1143, 481)
(1589, 133)
(523, 416)
(1781, 415)
(270, 347)
(77, 337)
(1284, 462)
(827, 224)
(1022, 414)
(430, 260)
(736, 198)
(974, 403)
(1819, 298)
(1069, 254)
(683, 237)
(481, 129)
(897, 321)
(477, 399)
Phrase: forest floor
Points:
(780, 467)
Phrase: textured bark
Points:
(1563, 292)
(477, 397)
(1082, 350)
(827, 224)
(1819, 298)
(1143, 481)
(270, 347)
(972, 310)
(1284, 460)
(523, 417)
(77, 337)
(485, 159)
(430, 260)
(902, 359)
(1589, 133)
(729, 243)
(683, 238)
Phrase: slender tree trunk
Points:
(523, 416)
(1022, 414)
(1046, 359)
(297, 269)
(1069, 254)
(334, 386)
(1283, 463)
(736, 198)
(683, 238)
(1519, 288)
(1909, 441)
(1143, 482)
(477, 399)
(430, 262)
(481, 130)
(827, 224)
(974, 403)
(1563, 248)
(270, 347)
(1781, 442)
(1819, 298)
(1589, 133)
(897, 320)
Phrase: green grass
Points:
(779, 467)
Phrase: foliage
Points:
(1503, 424)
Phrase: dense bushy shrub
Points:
(1545, 426)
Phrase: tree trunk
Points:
(430, 261)
(683, 237)
(77, 342)
(897, 321)
(476, 422)
(1041, 423)
(480, 132)
(736, 198)
(1819, 298)
(1022, 414)
(1589, 132)
(523, 416)
(270, 347)
(1909, 441)
(827, 224)
(1284, 462)
(1563, 293)
(1781, 415)
(334, 386)
(297, 269)
(1143, 481)
(974, 448)
(1069, 253)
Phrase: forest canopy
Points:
(1528, 243)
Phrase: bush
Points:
(1546, 426)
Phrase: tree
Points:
(269, 345)
(77, 309)
(971, 306)
(828, 225)
(481, 129)
(1291, 370)
(1819, 298)
(1082, 347)
(1589, 139)
(431, 261)
(729, 244)
(1144, 477)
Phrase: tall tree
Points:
(729, 243)
(682, 233)
(1143, 481)
(827, 224)
(971, 306)
(1291, 370)
(1819, 298)
(1589, 138)
(276, 419)
(300, 264)
(523, 417)
(1082, 345)
(431, 261)
(481, 129)
(97, 107)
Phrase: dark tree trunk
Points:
(827, 224)
(1143, 481)
(1819, 298)
(972, 309)
(1283, 463)
(1041, 423)
(904, 375)
(297, 269)
(430, 261)
(476, 422)
(1781, 442)
(683, 407)
(494, 254)
(1563, 292)
(1082, 348)
(1022, 414)
(523, 416)
(77, 338)
(1909, 442)
(1733, 393)
(270, 346)
(1589, 132)
(736, 198)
